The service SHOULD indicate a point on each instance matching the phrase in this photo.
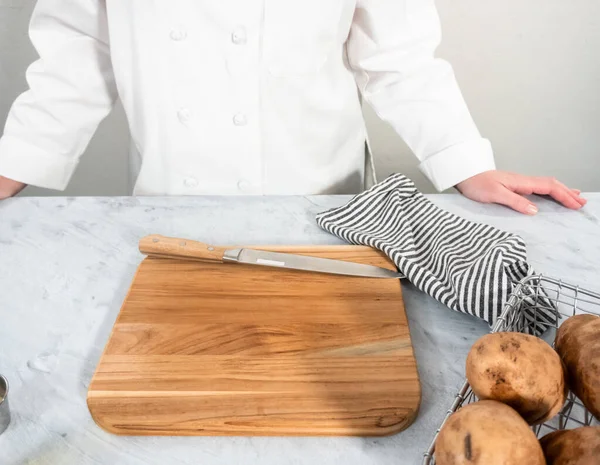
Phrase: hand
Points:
(9, 188)
(508, 189)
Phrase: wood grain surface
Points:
(229, 349)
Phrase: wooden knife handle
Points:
(170, 247)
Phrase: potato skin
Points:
(579, 446)
(578, 344)
(487, 433)
(570, 327)
(519, 370)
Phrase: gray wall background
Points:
(530, 72)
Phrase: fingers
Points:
(575, 196)
(575, 193)
(549, 186)
(504, 196)
(509, 189)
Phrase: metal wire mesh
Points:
(527, 311)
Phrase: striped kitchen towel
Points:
(467, 266)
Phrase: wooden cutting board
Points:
(229, 349)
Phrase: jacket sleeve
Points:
(391, 50)
(71, 90)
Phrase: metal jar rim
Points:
(5, 382)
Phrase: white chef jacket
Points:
(240, 96)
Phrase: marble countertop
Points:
(66, 264)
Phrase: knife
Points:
(169, 247)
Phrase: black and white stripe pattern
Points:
(469, 267)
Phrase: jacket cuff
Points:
(28, 164)
(447, 168)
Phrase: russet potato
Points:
(579, 446)
(578, 344)
(487, 433)
(519, 370)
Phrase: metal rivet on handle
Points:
(182, 243)
(211, 248)
(155, 240)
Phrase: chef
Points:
(252, 97)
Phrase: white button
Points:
(243, 185)
(238, 36)
(178, 35)
(240, 119)
(190, 182)
(184, 114)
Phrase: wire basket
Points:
(526, 312)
